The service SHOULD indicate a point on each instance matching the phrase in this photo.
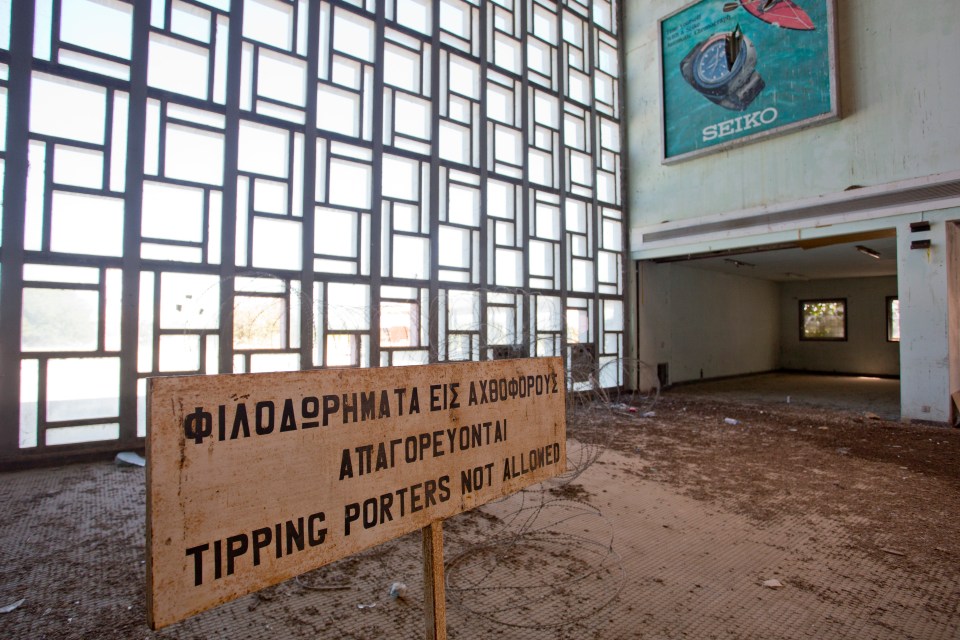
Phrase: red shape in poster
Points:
(780, 13)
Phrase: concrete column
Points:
(924, 343)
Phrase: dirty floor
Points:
(707, 518)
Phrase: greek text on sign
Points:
(253, 479)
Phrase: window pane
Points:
(259, 322)
(180, 353)
(893, 319)
(87, 433)
(60, 320)
(67, 109)
(86, 224)
(177, 66)
(399, 324)
(277, 244)
(823, 320)
(268, 21)
(172, 212)
(194, 155)
(78, 167)
(81, 388)
(102, 26)
(189, 301)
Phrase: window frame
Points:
(888, 311)
(804, 338)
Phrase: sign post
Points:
(253, 479)
(434, 599)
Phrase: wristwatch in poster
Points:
(724, 69)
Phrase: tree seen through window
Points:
(823, 320)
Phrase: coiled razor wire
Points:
(551, 571)
(595, 407)
(550, 564)
(538, 560)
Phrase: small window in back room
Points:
(823, 319)
(893, 319)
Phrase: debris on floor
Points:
(743, 506)
(731, 421)
(129, 459)
(398, 590)
(12, 606)
(773, 583)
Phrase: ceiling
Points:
(815, 260)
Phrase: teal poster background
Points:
(794, 64)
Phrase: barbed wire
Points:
(553, 565)
(545, 332)
(549, 564)
(578, 572)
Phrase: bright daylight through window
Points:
(210, 186)
(823, 320)
(893, 319)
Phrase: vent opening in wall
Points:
(663, 374)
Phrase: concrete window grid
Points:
(205, 186)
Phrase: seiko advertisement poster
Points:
(737, 71)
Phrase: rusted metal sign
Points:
(253, 479)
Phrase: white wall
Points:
(953, 316)
(900, 99)
(865, 351)
(706, 322)
(924, 346)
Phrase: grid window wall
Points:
(212, 186)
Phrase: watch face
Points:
(710, 67)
